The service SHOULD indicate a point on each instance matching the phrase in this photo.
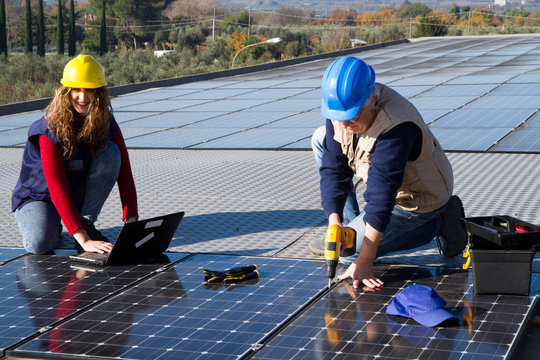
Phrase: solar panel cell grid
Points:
(173, 315)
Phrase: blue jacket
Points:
(402, 143)
(32, 185)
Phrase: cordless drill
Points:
(332, 248)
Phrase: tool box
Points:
(502, 249)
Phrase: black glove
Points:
(232, 275)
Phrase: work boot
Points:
(452, 236)
(316, 246)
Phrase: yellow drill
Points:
(332, 248)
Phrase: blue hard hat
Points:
(346, 84)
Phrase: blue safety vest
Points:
(32, 185)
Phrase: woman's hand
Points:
(99, 246)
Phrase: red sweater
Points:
(55, 174)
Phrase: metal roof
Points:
(209, 148)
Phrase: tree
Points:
(40, 30)
(189, 9)
(190, 37)
(343, 17)
(71, 29)
(60, 28)
(430, 26)
(3, 29)
(133, 16)
(103, 29)
(454, 10)
(409, 10)
(28, 28)
(234, 22)
(286, 16)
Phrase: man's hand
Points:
(334, 219)
(361, 271)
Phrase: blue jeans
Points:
(39, 222)
(406, 230)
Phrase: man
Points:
(378, 136)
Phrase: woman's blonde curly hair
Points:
(60, 116)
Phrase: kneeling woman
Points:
(73, 157)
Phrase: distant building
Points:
(499, 2)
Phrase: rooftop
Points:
(234, 153)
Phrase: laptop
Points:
(137, 241)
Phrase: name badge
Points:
(75, 165)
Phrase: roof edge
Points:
(39, 104)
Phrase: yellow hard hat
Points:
(83, 72)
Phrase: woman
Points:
(73, 157)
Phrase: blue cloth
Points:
(392, 151)
(32, 185)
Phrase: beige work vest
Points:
(428, 181)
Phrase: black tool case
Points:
(502, 250)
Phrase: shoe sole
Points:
(315, 251)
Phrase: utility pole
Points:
(214, 25)
(249, 21)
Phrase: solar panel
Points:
(178, 138)
(229, 105)
(214, 94)
(484, 118)
(526, 78)
(516, 89)
(14, 137)
(435, 103)
(410, 91)
(461, 90)
(203, 85)
(308, 83)
(241, 120)
(534, 121)
(310, 119)
(348, 324)
(38, 291)
(9, 254)
(259, 138)
(129, 132)
(256, 84)
(431, 115)
(18, 120)
(271, 93)
(522, 140)
(506, 102)
(158, 94)
(288, 105)
(166, 120)
(172, 315)
(469, 139)
(123, 116)
(163, 105)
(481, 79)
